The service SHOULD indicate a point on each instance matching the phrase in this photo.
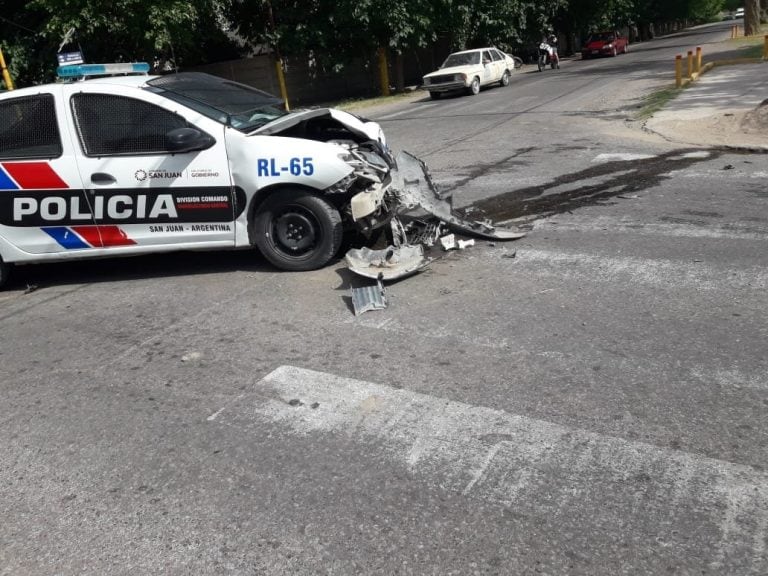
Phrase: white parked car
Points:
(469, 70)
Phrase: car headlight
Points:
(461, 77)
(609, 46)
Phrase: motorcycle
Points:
(548, 55)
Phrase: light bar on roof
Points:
(80, 70)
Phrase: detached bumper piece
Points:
(388, 264)
(415, 190)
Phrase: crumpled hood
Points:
(365, 129)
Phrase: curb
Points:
(695, 76)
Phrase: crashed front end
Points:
(381, 190)
(369, 203)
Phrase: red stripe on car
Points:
(114, 236)
(34, 175)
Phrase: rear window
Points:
(28, 128)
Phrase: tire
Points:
(504, 78)
(626, 48)
(518, 62)
(297, 231)
(5, 270)
(615, 52)
(474, 88)
(434, 95)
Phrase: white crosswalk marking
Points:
(532, 466)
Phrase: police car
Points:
(117, 162)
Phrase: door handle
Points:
(102, 178)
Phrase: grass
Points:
(359, 103)
(655, 101)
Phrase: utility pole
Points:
(6, 74)
(278, 58)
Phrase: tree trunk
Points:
(751, 17)
(383, 72)
(399, 73)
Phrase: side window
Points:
(486, 57)
(496, 55)
(28, 128)
(115, 125)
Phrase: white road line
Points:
(621, 157)
(643, 271)
(733, 378)
(730, 231)
(434, 331)
(564, 474)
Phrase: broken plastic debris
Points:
(367, 298)
(466, 243)
(448, 242)
(388, 264)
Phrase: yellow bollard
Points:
(698, 60)
(679, 71)
(690, 64)
(7, 76)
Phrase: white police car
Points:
(116, 162)
(133, 164)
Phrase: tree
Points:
(175, 31)
(751, 17)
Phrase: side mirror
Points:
(188, 140)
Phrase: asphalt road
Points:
(590, 399)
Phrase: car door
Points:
(499, 63)
(43, 208)
(489, 68)
(144, 191)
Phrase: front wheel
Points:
(505, 78)
(474, 88)
(296, 230)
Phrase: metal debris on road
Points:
(367, 298)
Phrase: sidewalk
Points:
(727, 107)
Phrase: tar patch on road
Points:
(593, 185)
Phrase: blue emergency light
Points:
(81, 70)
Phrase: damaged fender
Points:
(414, 188)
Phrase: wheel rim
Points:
(295, 232)
(475, 86)
(505, 79)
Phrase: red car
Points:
(604, 44)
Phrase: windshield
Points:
(233, 104)
(462, 59)
(601, 37)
